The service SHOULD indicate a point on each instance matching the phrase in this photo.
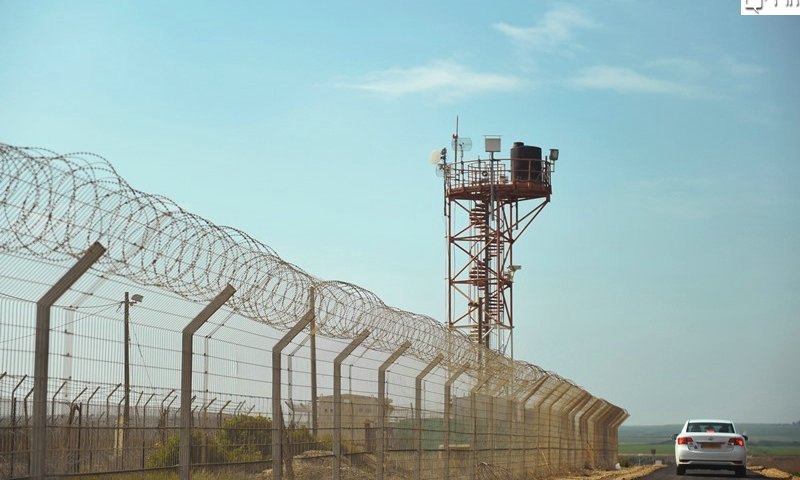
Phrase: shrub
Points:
(167, 455)
(242, 438)
(248, 432)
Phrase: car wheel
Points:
(680, 470)
(741, 472)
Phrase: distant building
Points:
(360, 415)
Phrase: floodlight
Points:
(554, 154)
(512, 269)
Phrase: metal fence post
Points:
(556, 423)
(289, 364)
(418, 411)
(514, 426)
(599, 433)
(337, 401)
(604, 423)
(582, 429)
(596, 426)
(586, 443)
(473, 402)
(540, 425)
(602, 437)
(186, 378)
(618, 420)
(382, 404)
(491, 429)
(573, 444)
(313, 334)
(509, 444)
(277, 416)
(493, 414)
(550, 421)
(41, 356)
(14, 422)
(563, 427)
(534, 388)
(448, 385)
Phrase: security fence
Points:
(138, 337)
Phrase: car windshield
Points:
(710, 427)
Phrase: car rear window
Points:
(710, 427)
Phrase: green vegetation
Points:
(216, 451)
(765, 439)
(646, 448)
(197, 474)
(774, 450)
(242, 438)
(253, 433)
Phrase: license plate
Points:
(711, 445)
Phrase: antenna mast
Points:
(482, 206)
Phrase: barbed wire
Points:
(53, 206)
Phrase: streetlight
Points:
(129, 300)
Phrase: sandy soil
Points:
(630, 473)
(782, 464)
(317, 465)
(773, 473)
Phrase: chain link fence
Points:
(236, 359)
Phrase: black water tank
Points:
(526, 162)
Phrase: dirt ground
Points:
(776, 467)
(630, 473)
(317, 465)
(771, 467)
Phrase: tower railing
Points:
(505, 172)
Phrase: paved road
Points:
(668, 473)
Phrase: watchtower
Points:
(489, 203)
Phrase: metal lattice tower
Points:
(489, 203)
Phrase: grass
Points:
(774, 450)
(645, 448)
(752, 449)
(765, 439)
(197, 474)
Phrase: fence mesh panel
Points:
(449, 409)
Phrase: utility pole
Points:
(127, 411)
(129, 300)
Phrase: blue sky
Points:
(664, 275)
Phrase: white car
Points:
(711, 444)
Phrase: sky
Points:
(664, 276)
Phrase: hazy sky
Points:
(665, 274)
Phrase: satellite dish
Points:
(435, 155)
(463, 144)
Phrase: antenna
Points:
(435, 156)
(461, 145)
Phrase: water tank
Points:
(526, 163)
